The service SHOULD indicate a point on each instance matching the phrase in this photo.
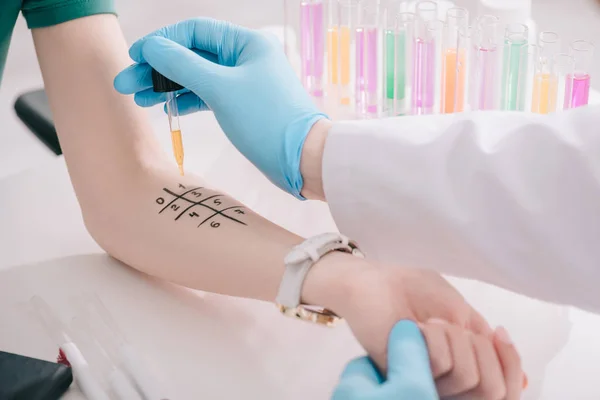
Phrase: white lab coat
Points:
(512, 199)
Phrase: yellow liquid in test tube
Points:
(178, 149)
(454, 80)
(338, 45)
(545, 89)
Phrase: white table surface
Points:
(207, 346)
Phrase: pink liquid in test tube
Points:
(371, 70)
(487, 93)
(423, 88)
(312, 46)
(577, 84)
(577, 92)
(360, 62)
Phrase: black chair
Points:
(33, 109)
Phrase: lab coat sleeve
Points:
(512, 199)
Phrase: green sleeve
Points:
(8, 16)
(43, 13)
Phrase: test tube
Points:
(530, 66)
(578, 83)
(563, 67)
(425, 58)
(312, 48)
(545, 83)
(367, 57)
(454, 61)
(398, 41)
(517, 36)
(82, 373)
(485, 64)
(347, 22)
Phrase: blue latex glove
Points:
(244, 77)
(409, 372)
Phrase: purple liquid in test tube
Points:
(312, 46)
(423, 88)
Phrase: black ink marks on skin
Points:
(200, 203)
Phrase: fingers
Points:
(358, 381)
(364, 370)
(491, 383)
(439, 349)
(205, 34)
(510, 363)
(133, 79)
(478, 324)
(464, 375)
(189, 103)
(181, 65)
(409, 373)
(407, 351)
(138, 77)
(149, 98)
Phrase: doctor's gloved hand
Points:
(244, 77)
(409, 372)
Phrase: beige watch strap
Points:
(302, 257)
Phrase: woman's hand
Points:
(467, 356)
(379, 296)
(244, 77)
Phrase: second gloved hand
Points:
(241, 75)
(409, 375)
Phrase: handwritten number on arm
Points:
(160, 200)
(214, 224)
(175, 207)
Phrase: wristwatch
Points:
(297, 264)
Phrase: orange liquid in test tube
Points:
(338, 44)
(332, 52)
(545, 89)
(454, 80)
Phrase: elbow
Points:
(104, 228)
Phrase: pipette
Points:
(164, 85)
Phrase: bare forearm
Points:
(103, 135)
(127, 189)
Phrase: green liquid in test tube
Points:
(395, 47)
(516, 38)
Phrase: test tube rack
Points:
(384, 58)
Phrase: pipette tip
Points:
(181, 169)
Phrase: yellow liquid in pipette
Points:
(545, 89)
(178, 149)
